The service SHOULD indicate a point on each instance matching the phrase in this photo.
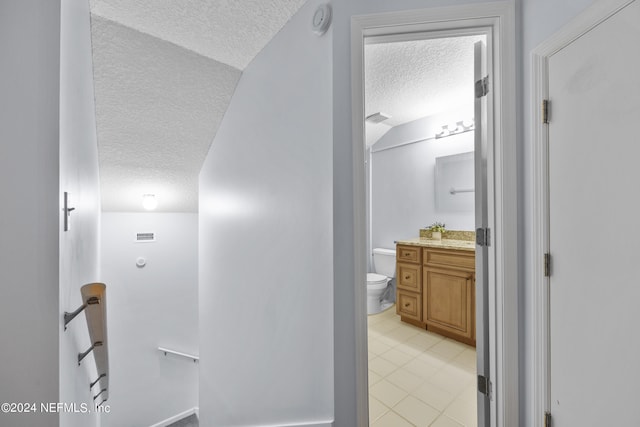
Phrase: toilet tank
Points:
(384, 261)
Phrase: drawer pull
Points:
(407, 254)
(407, 277)
(407, 304)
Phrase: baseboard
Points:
(185, 414)
(328, 423)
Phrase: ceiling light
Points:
(377, 117)
(149, 201)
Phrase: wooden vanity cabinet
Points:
(436, 290)
(448, 299)
(409, 283)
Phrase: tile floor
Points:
(418, 378)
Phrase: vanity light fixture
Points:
(149, 201)
(459, 127)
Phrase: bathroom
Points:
(420, 170)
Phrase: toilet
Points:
(384, 265)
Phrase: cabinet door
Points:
(448, 301)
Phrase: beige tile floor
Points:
(418, 378)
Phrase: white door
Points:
(594, 225)
(483, 99)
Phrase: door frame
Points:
(540, 306)
(502, 190)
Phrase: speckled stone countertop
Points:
(464, 245)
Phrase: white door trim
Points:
(502, 177)
(587, 20)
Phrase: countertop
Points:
(463, 245)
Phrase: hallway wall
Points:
(266, 294)
(29, 146)
(47, 129)
(79, 247)
(49, 146)
(148, 307)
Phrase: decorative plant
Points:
(437, 226)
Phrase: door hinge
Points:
(484, 385)
(547, 419)
(482, 87)
(545, 111)
(483, 237)
(547, 265)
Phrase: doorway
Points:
(499, 406)
(419, 132)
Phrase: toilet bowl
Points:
(376, 285)
(384, 263)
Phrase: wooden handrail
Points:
(94, 305)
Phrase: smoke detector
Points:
(321, 19)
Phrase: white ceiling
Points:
(414, 79)
(165, 72)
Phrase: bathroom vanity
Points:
(436, 286)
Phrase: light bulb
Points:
(149, 201)
(445, 132)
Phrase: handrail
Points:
(94, 305)
(455, 191)
(179, 353)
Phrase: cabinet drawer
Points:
(408, 254)
(450, 258)
(408, 305)
(409, 277)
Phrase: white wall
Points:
(79, 247)
(403, 192)
(29, 309)
(265, 241)
(156, 305)
(47, 129)
(540, 19)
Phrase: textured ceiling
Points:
(413, 79)
(164, 74)
(165, 71)
(229, 31)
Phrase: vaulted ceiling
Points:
(164, 74)
(166, 70)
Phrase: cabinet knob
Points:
(407, 304)
(407, 277)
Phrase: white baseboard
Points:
(327, 423)
(168, 421)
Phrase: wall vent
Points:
(145, 237)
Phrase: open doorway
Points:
(419, 136)
(496, 293)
